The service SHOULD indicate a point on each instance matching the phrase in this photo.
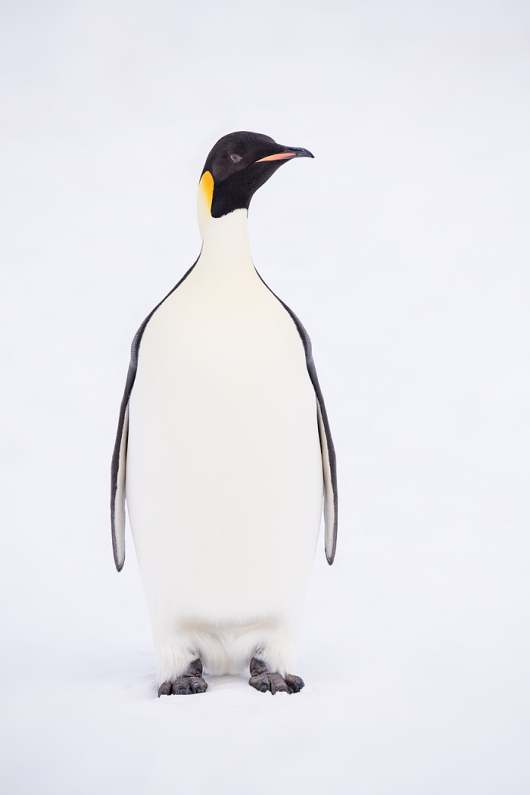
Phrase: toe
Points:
(260, 683)
(197, 684)
(294, 683)
(165, 689)
(181, 687)
(278, 684)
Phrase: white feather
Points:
(224, 471)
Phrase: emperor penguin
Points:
(223, 452)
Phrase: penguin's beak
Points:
(290, 152)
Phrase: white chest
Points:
(224, 480)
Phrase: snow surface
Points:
(404, 249)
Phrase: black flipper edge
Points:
(118, 469)
(329, 460)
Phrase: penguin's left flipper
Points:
(329, 461)
(264, 680)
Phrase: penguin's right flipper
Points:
(117, 505)
(118, 469)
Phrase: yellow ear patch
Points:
(206, 187)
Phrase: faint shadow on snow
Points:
(130, 674)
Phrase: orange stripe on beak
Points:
(281, 156)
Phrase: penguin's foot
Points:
(263, 679)
(185, 685)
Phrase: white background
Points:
(403, 247)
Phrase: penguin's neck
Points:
(225, 245)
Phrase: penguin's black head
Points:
(237, 166)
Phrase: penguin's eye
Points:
(236, 158)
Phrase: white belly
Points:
(224, 470)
